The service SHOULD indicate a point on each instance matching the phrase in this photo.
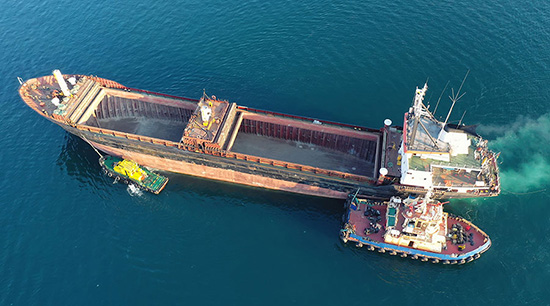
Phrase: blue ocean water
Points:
(71, 237)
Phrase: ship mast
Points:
(417, 109)
(455, 98)
(441, 95)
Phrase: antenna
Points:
(429, 100)
(456, 97)
(462, 117)
(440, 97)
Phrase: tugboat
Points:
(415, 227)
(129, 171)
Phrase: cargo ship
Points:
(215, 139)
(414, 227)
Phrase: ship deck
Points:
(392, 160)
(360, 222)
(461, 161)
(37, 93)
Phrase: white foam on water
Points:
(133, 190)
(525, 153)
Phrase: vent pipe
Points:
(61, 81)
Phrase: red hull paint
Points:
(220, 174)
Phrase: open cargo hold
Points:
(142, 116)
(266, 136)
(308, 144)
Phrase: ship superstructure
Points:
(445, 157)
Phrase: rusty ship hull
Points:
(235, 144)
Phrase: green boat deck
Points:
(142, 176)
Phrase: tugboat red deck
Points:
(366, 223)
